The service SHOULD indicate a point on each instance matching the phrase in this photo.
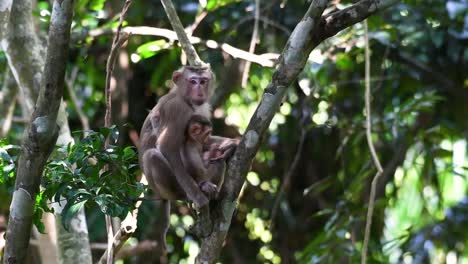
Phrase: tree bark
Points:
(7, 103)
(25, 59)
(41, 134)
(311, 31)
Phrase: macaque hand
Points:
(226, 151)
(209, 188)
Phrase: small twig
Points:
(265, 20)
(116, 44)
(197, 21)
(253, 42)
(74, 99)
(188, 48)
(128, 227)
(289, 175)
(375, 158)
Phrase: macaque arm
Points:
(177, 113)
(215, 172)
(225, 145)
(194, 160)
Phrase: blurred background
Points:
(306, 196)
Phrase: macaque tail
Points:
(166, 222)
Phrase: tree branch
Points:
(292, 61)
(311, 31)
(128, 227)
(7, 103)
(253, 42)
(119, 39)
(375, 158)
(41, 135)
(266, 60)
(21, 47)
(74, 99)
(188, 48)
(337, 21)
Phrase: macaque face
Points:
(194, 85)
(197, 87)
(199, 132)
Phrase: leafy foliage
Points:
(88, 173)
(8, 158)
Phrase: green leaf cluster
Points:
(91, 173)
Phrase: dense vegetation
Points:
(305, 198)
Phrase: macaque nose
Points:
(199, 91)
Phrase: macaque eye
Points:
(193, 81)
(202, 81)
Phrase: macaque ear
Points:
(195, 129)
(176, 76)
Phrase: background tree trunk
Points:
(24, 54)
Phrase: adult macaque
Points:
(163, 138)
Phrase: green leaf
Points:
(97, 5)
(344, 62)
(215, 4)
(69, 211)
(37, 220)
(151, 48)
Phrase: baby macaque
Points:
(198, 131)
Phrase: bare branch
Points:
(116, 44)
(337, 21)
(253, 42)
(266, 60)
(375, 158)
(140, 248)
(7, 103)
(188, 48)
(69, 84)
(128, 227)
(287, 179)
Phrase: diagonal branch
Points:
(292, 61)
(337, 21)
(188, 48)
(311, 31)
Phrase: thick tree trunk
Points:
(25, 58)
(41, 134)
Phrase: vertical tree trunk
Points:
(26, 61)
(73, 244)
(41, 134)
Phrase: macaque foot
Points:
(202, 228)
(209, 188)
